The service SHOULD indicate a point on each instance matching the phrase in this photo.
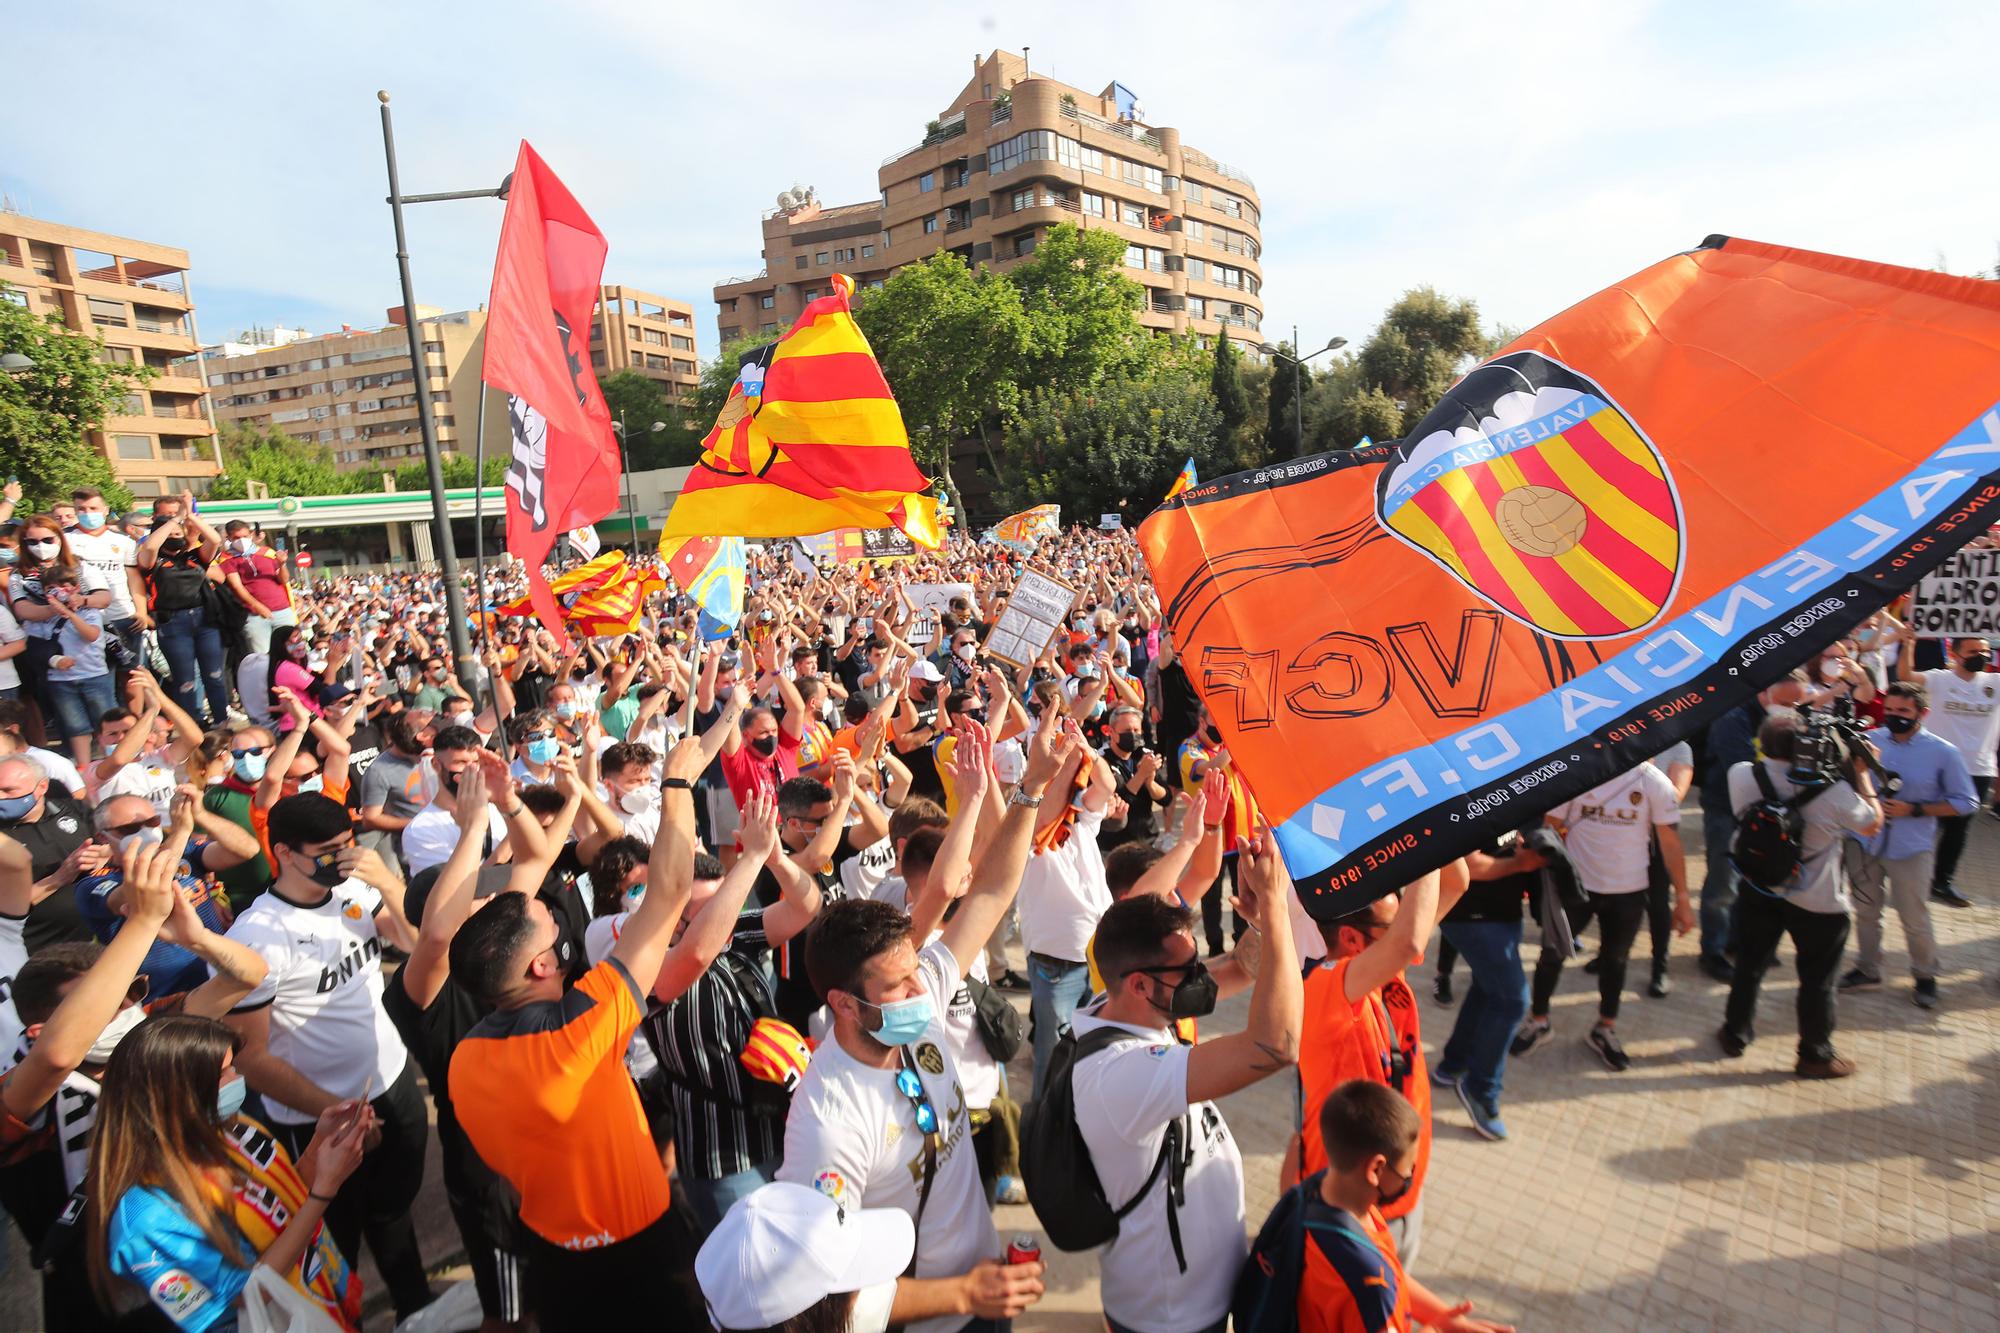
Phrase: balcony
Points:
(1237, 321)
(179, 411)
(759, 276)
(937, 132)
(1138, 134)
(1200, 159)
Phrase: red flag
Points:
(546, 279)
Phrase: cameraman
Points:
(1897, 862)
(1813, 912)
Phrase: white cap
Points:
(785, 1248)
(925, 669)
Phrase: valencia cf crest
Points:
(1528, 484)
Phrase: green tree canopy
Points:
(643, 401)
(46, 410)
(1081, 308)
(1289, 381)
(287, 465)
(1225, 382)
(1418, 349)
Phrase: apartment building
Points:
(1011, 156)
(651, 334)
(355, 391)
(135, 296)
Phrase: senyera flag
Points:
(1636, 516)
(564, 473)
(603, 597)
(809, 440)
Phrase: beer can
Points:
(1024, 1249)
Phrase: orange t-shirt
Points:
(1348, 1041)
(543, 1094)
(1352, 1279)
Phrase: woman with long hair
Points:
(44, 556)
(187, 1196)
(288, 670)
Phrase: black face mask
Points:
(1195, 996)
(1977, 662)
(1214, 734)
(765, 745)
(1385, 1198)
(449, 781)
(1899, 726)
(1126, 742)
(326, 871)
(975, 714)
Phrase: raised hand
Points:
(759, 834)
(150, 890)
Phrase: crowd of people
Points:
(702, 949)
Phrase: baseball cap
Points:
(333, 694)
(784, 1248)
(925, 669)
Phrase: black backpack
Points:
(1266, 1298)
(1769, 843)
(1055, 1161)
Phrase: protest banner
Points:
(1036, 608)
(1960, 598)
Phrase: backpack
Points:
(1062, 1182)
(1769, 843)
(1268, 1286)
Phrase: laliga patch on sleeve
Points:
(179, 1294)
(831, 1184)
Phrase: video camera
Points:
(1829, 742)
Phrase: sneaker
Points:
(1829, 1068)
(1732, 1045)
(1590, 968)
(1718, 968)
(1010, 980)
(1659, 986)
(1609, 1049)
(1529, 1036)
(1486, 1124)
(1009, 1189)
(1926, 996)
(1855, 980)
(1444, 1078)
(1441, 988)
(1950, 897)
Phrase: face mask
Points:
(567, 709)
(1194, 997)
(966, 651)
(145, 837)
(639, 800)
(250, 767)
(14, 807)
(326, 871)
(1900, 726)
(765, 745)
(9, 556)
(317, 782)
(1829, 670)
(975, 714)
(544, 752)
(129, 1017)
(1126, 742)
(632, 897)
(43, 550)
(1385, 1198)
(90, 522)
(903, 1021)
(1214, 735)
(449, 781)
(244, 545)
(1977, 662)
(458, 720)
(229, 1098)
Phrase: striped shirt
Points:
(725, 1121)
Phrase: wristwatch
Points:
(1022, 798)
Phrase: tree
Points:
(952, 342)
(643, 400)
(1082, 310)
(457, 471)
(1289, 379)
(1226, 384)
(288, 466)
(46, 410)
(1419, 348)
(1341, 411)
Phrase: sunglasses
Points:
(241, 753)
(127, 830)
(912, 1088)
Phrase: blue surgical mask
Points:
(90, 522)
(229, 1099)
(566, 709)
(14, 807)
(250, 767)
(544, 752)
(9, 556)
(903, 1021)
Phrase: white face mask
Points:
(244, 545)
(966, 651)
(129, 1017)
(145, 837)
(639, 800)
(43, 550)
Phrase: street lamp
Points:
(625, 465)
(1298, 395)
(447, 550)
(14, 363)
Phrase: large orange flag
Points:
(1599, 542)
(809, 440)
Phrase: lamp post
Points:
(447, 550)
(16, 363)
(1298, 388)
(625, 467)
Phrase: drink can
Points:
(1024, 1249)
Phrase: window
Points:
(1156, 260)
(875, 284)
(1034, 146)
(766, 302)
(930, 224)
(430, 349)
(681, 342)
(683, 367)
(730, 305)
(812, 293)
(1135, 256)
(820, 259)
(1024, 245)
(1196, 231)
(799, 262)
(598, 362)
(867, 252)
(134, 446)
(1198, 307)
(1194, 192)
(1128, 170)
(16, 295)
(1132, 215)
(1154, 180)
(1090, 159)
(1093, 205)
(109, 313)
(927, 182)
(767, 328)
(1197, 270)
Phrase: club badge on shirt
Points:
(929, 1058)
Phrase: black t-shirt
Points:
(795, 994)
(1141, 821)
(531, 689)
(1497, 899)
(922, 761)
(711, 777)
(64, 827)
(365, 748)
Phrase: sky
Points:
(1521, 155)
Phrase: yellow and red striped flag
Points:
(809, 440)
(602, 597)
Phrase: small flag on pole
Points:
(713, 571)
(1186, 479)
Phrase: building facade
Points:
(651, 334)
(1012, 156)
(136, 297)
